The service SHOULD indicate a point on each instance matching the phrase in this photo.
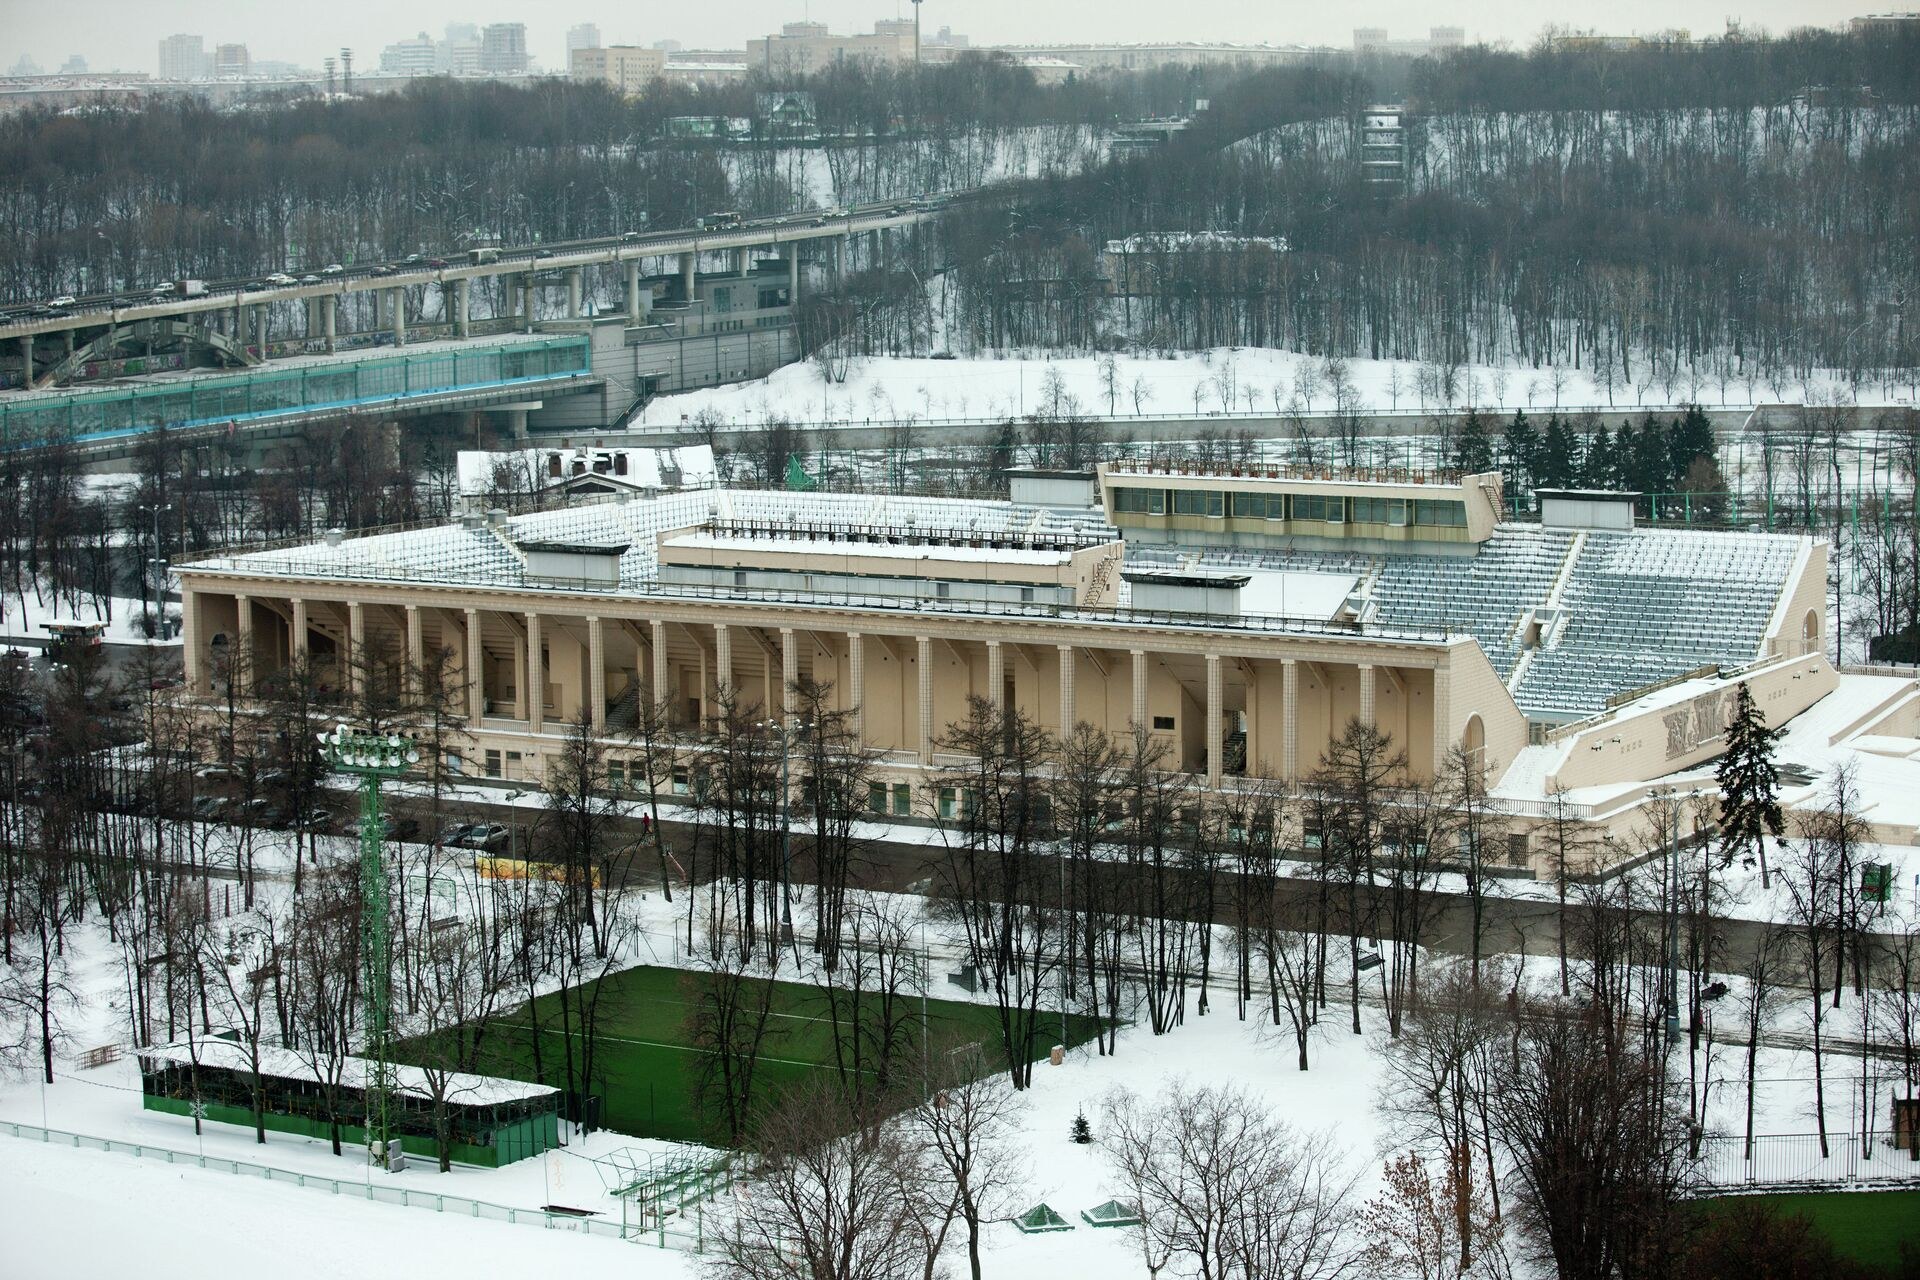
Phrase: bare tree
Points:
(825, 1200)
(966, 1129)
(1226, 1190)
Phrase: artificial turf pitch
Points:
(646, 1068)
(1867, 1226)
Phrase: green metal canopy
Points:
(1041, 1218)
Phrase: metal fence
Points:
(1796, 1159)
(656, 1233)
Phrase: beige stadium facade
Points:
(908, 617)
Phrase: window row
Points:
(1291, 506)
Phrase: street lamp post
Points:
(372, 757)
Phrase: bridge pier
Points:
(26, 361)
(462, 301)
(240, 319)
(742, 262)
(633, 291)
(686, 277)
(793, 274)
(397, 303)
(526, 303)
(573, 293)
(328, 318)
(379, 297)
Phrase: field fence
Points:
(689, 1238)
(1796, 1159)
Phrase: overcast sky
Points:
(125, 33)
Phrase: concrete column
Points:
(241, 655)
(476, 667)
(313, 316)
(260, 314)
(397, 304)
(789, 673)
(240, 319)
(1069, 716)
(526, 304)
(1290, 719)
(996, 676)
(1215, 715)
(743, 263)
(659, 690)
(1253, 721)
(329, 318)
(793, 275)
(686, 277)
(597, 674)
(1139, 716)
(722, 659)
(536, 678)
(416, 650)
(297, 642)
(1442, 714)
(923, 662)
(633, 291)
(192, 667)
(857, 679)
(463, 308)
(573, 293)
(379, 309)
(840, 247)
(1366, 693)
(356, 648)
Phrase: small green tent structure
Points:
(797, 477)
(1041, 1218)
(1114, 1213)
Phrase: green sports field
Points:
(1867, 1226)
(646, 1068)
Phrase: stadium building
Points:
(1242, 615)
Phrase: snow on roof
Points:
(461, 1087)
(800, 545)
(1294, 594)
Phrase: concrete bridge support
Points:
(742, 262)
(686, 277)
(793, 275)
(633, 291)
(26, 360)
(397, 303)
(462, 308)
(526, 303)
(573, 293)
(329, 308)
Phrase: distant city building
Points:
(184, 57)
(230, 62)
(667, 46)
(702, 67)
(1376, 40)
(75, 65)
(584, 36)
(802, 48)
(626, 67)
(1151, 57)
(1885, 24)
(503, 49)
(26, 66)
(415, 57)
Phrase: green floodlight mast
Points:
(371, 757)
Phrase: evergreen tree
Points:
(1473, 448)
(1650, 475)
(1523, 452)
(1082, 1132)
(1749, 784)
(1691, 439)
(1556, 465)
(1596, 465)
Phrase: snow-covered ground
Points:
(1223, 382)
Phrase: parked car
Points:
(486, 836)
(210, 808)
(396, 828)
(214, 773)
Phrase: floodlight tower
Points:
(372, 757)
